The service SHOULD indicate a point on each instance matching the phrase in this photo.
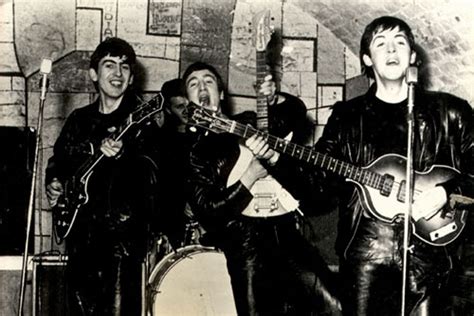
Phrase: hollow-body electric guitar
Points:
(381, 184)
(269, 197)
(75, 194)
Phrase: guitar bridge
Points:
(443, 231)
(265, 201)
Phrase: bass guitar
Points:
(75, 194)
(381, 184)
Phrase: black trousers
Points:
(274, 271)
(372, 272)
(109, 287)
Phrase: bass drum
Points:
(191, 281)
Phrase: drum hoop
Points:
(170, 260)
(165, 266)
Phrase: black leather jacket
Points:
(365, 128)
(214, 156)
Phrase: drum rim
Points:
(167, 264)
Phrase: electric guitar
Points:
(269, 197)
(75, 194)
(381, 185)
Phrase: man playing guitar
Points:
(273, 270)
(106, 235)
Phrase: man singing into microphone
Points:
(367, 127)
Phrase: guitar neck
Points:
(310, 156)
(262, 109)
(143, 111)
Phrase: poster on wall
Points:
(164, 17)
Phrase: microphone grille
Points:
(412, 75)
(46, 66)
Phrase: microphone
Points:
(45, 69)
(412, 75)
(411, 78)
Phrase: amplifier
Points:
(49, 285)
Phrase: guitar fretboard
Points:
(262, 110)
(310, 156)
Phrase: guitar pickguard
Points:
(270, 198)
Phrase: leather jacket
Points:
(214, 155)
(364, 128)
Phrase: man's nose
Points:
(202, 85)
(118, 71)
(391, 47)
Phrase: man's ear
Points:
(93, 74)
(367, 60)
(130, 81)
(222, 95)
(413, 58)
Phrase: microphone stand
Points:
(411, 78)
(45, 70)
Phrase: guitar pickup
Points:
(402, 191)
(265, 201)
(387, 184)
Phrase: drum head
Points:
(192, 281)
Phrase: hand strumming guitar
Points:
(110, 147)
(428, 203)
(261, 151)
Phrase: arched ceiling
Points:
(444, 29)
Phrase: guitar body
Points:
(438, 230)
(381, 185)
(69, 204)
(270, 198)
(75, 188)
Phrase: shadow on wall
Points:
(424, 72)
(140, 77)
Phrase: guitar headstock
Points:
(262, 32)
(146, 109)
(207, 119)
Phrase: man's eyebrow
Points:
(402, 35)
(190, 78)
(380, 35)
(210, 76)
(112, 60)
(377, 36)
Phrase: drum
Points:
(191, 281)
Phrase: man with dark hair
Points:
(371, 130)
(176, 104)
(107, 242)
(273, 270)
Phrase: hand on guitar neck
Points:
(261, 151)
(268, 89)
